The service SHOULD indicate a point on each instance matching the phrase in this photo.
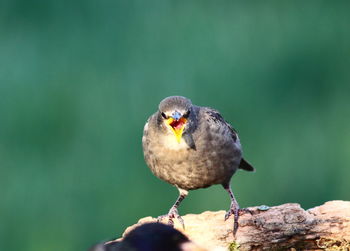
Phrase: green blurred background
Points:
(78, 79)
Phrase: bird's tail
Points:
(246, 166)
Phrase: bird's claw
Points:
(239, 211)
(236, 211)
(242, 211)
(173, 213)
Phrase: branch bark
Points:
(287, 226)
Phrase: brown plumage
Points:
(192, 147)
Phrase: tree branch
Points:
(287, 226)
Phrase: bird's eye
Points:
(186, 114)
(163, 115)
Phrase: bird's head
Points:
(175, 112)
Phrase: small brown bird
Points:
(192, 147)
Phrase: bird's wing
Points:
(216, 117)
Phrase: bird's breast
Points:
(170, 142)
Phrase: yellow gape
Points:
(177, 126)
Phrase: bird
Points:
(150, 237)
(153, 237)
(192, 147)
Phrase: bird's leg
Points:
(234, 208)
(173, 213)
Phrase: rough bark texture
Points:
(287, 226)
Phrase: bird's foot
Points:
(173, 213)
(232, 210)
(236, 211)
(242, 211)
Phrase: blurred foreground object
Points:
(284, 226)
(150, 237)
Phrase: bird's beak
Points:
(177, 123)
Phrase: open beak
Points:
(177, 123)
